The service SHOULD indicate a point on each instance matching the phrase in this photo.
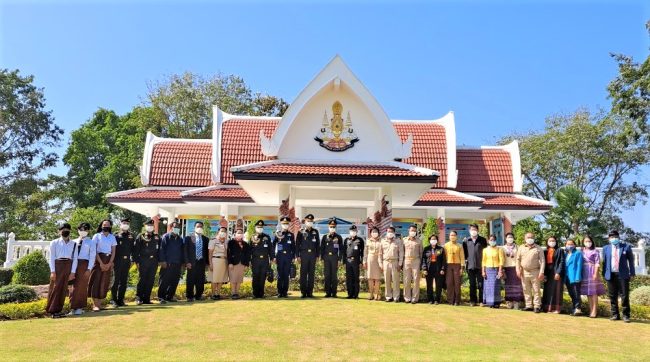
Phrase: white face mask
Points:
(390, 235)
(434, 242)
(309, 224)
(149, 228)
(259, 230)
(198, 230)
(552, 244)
(332, 230)
(221, 234)
(374, 234)
(530, 241)
(83, 233)
(284, 226)
(588, 244)
(412, 234)
(510, 240)
(124, 227)
(353, 233)
(473, 233)
(493, 242)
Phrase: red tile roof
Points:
(484, 170)
(429, 147)
(227, 194)
(509, 202)
(240, 143)
(181, 163)
(147, 195)
(352, 172)
(445, 198)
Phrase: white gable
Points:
(338, 103)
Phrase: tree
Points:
(183, 103)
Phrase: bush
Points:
(640, 296)
(16, 293)
(5, 276)
(640, 281)
(23, 310)
(32, 269)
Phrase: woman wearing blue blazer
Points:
(573, 276)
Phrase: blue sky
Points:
(500, 66)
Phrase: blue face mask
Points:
(614, 241)
(570, 247)
(176, 231)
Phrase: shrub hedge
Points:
(32, 269)
(5, 276)
(16, 293)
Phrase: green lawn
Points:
(337, 329)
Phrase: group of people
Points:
(87, 263)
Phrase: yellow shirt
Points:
(493, 257)
(455, 253)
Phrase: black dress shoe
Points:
(327, 295)
(172, 300)
(162, 301)
(626, 319)
(198, 299)
(527, 309)
(147, 302)
(349, 297)
(537, 310)
(389, 299)
(614, 318)
(190, 299)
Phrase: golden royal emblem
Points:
(335, 134)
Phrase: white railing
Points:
(16, 249)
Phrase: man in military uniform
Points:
(330, 248)
(262, 254)
(196, 256)
(285, 251)
(125, 245)
(391, 255)
(308, 251)
(412, 256)
(145, 256)
(353, 254)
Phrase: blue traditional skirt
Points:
(492, 287)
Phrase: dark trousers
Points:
(307, 272)
(169, 278)
(259, 270)
(147, 273)
(330, 266)
(616, 287)
(475, 284)
(440, 280)
(195, 280)
(574, 293)
(121, 271)
(352, 277)
(284, 266)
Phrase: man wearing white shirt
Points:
(63, 263)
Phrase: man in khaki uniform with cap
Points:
(391, 255)
(412, 257)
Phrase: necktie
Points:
(199, 247)
(615, 251)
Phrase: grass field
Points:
(337, 329)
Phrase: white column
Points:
(10, 250)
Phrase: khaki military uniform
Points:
(412, 257)
(391, 257)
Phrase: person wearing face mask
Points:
(434, 264)
(331, 245)
(455, 264)
(353, 254)
(492, 263)
(145, 256)
(123, 252)
(554, 277)
(372, 265)
(530, 268)
(412, 258)
(100, 276)
(514, 292)
(63, 264)
(391, 257)
(285, 251)
(86, 251)
(196, 256)
(217, 257)
(308, 241)
(239, 257)
(473, 248)
(618, 270)
(573, 265)
(591, 285)
(262, 255)
(171, 257)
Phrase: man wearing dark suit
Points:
(171, 256)
(196, 255)
(473, 247)
(618, 269)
